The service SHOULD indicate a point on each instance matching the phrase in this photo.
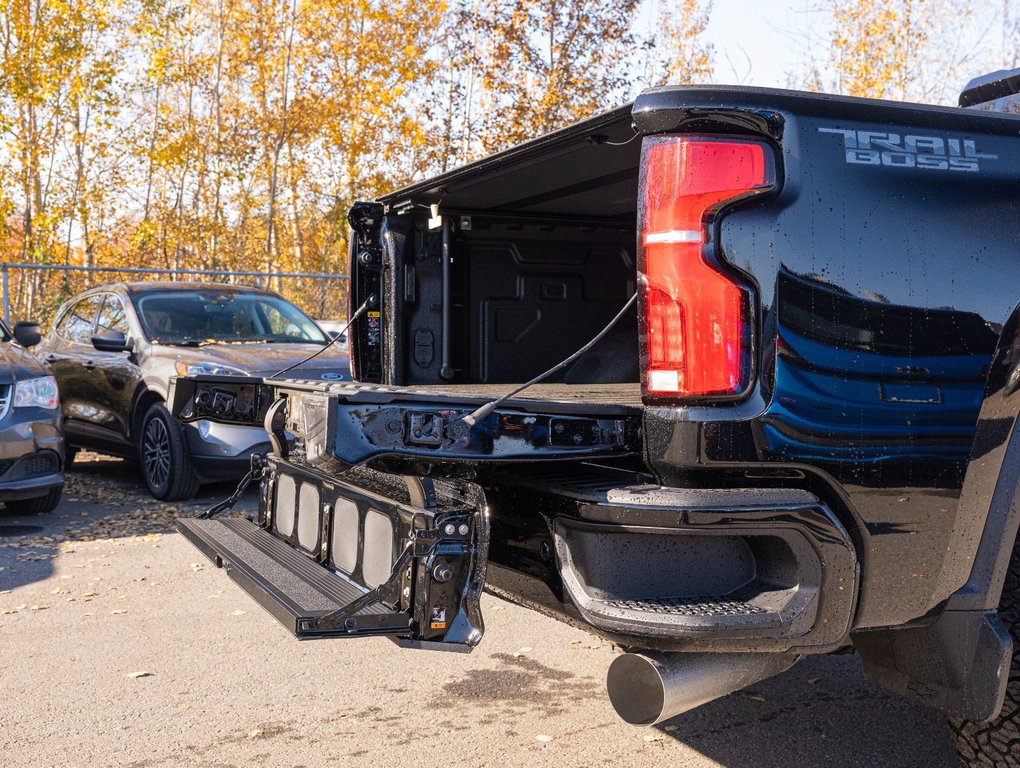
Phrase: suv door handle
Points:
(88, 365)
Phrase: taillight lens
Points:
(697, 315)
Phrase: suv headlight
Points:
(37, 393)
(207, 368)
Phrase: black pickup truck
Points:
(780, 342)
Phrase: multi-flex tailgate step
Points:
(294, 589)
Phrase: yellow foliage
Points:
(234, 134)
(875, 45)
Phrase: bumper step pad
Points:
(702, 605)
(294, 589)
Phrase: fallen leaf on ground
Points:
(119, 611)
(136, 675)
(654, 737)
(238, 612)
(756, 697)
(543, 738)
(38, 607)
(254, 734)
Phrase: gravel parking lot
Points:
(120, 645)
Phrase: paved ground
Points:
(121, 646)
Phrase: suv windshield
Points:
(195, 317)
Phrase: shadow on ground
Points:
(823, 712)
(104, 498)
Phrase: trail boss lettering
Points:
(910, 151)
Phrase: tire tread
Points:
(996, 744)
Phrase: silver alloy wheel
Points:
(156, 452)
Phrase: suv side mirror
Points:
(111, 341)
(27, 334)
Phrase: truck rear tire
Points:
(164, 457)
(997, 742)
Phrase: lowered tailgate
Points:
(354, 536)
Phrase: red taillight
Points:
(697, 316)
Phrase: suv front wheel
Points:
(164, 456)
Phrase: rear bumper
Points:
(678, 569)
(31, 453)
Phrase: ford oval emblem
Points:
(333, 376)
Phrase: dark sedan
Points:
(114, 349)
(31, 445)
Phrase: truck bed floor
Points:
(628, 394)
(576, 399)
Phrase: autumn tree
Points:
(681, 54)
(57, 87)
(531, 66)
(876, 45)
(1011, 34)
(234, 134)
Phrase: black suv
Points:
(115, 348)
(31, 444)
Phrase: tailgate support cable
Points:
(480, 413)
(368, 304)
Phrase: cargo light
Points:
(697, 313)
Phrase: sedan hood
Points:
(18, 363)
(265, 359)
